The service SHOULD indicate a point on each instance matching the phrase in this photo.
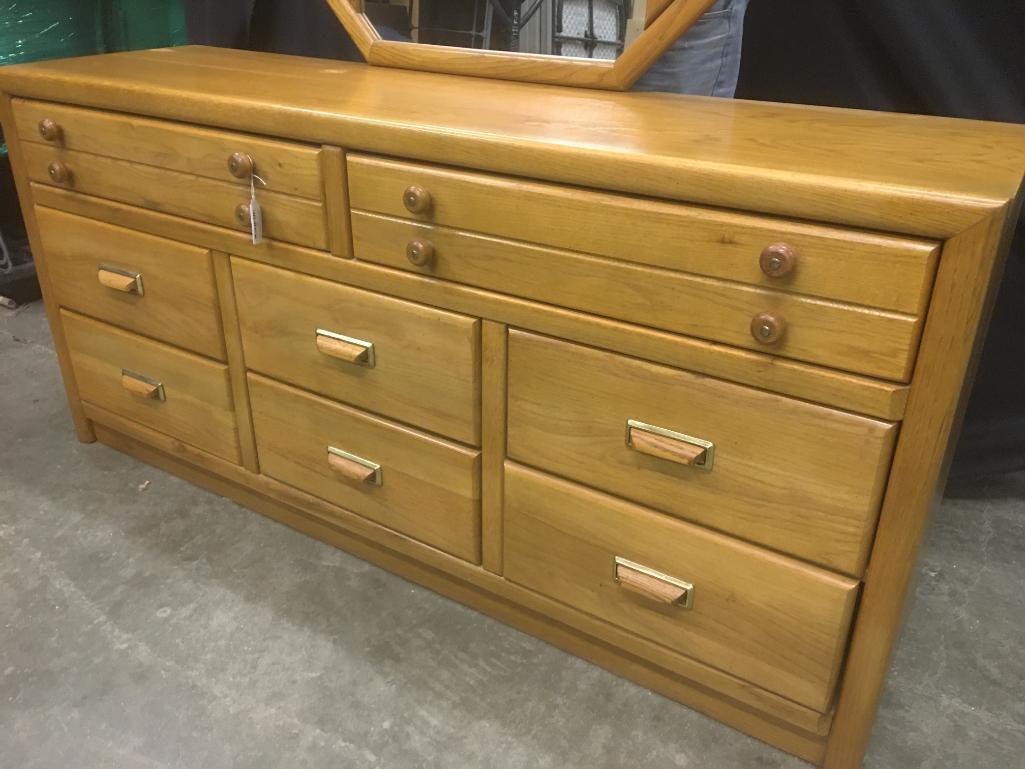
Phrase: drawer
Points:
(797, 477)
(770, 620)
(172, 391)
(421, 368)
(285, 217)
(286, 167)
(844, 336)
(172, 298)
(421, 486)
(846, 265)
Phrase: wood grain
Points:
(336, 201)
(855, 393)
(893, 174)
(770, 620)
(179, 304)
(965, 288)
(198, 409)
(799, 478)
(845, 265)
(494, 353)
(283, 166)
(426, 374)
(285, 217)
(430, 488)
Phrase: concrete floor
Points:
(145, 623)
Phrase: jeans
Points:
(706, 60)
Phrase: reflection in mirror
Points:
(590, 29)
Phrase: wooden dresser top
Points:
(902, 173)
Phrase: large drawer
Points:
(424, 487)
(285, 167)
(768, 619)
(794, 476)
(423, 368)
(834, 334)
(172, 391)
(153, 286)
(285, 217)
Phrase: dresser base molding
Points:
(769, 718)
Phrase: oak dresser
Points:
(668, 382)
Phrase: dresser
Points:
(667, 382)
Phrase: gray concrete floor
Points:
(146, 623)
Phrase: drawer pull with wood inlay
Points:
(778, 260)
(346, 348)
(353, 468)
(240, 165)
(143, 386)
(416, 199)
(115, 278)
(653, 584)
(420, 253)
(768, 327)
(670, 445)
(59, 173)
(50, 130)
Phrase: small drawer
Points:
(861, 268)
(844, 336)
(146, 284)
(415, 364)
(286, 167)
(800, 478)
(770, 620)
(175, 392)
(421, 486)
(285, 217)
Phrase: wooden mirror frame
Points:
(666, 21)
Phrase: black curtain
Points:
(937, 57)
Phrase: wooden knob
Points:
(241, 165)
(50, 130)
(767, 327)
(420, 252)
(778, 260)
(242, 214)
(416, 199)
(59, 173)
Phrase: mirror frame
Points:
(667, 20)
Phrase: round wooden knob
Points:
(768, 327)
(242, 214)
(241, 165)
(416, 199)
(420, 252)
(778, 260)
(59, 173)
(49, 130)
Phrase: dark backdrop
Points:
(962, 58)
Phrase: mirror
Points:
(588, 43)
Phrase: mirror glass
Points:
(588, 29)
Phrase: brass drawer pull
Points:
(346, 348)
(353, 468)
(667, 444)
(653, 584)
(416, 199)
(117, 279)
(50, 130)
(143, 386)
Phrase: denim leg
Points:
(706, 60)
